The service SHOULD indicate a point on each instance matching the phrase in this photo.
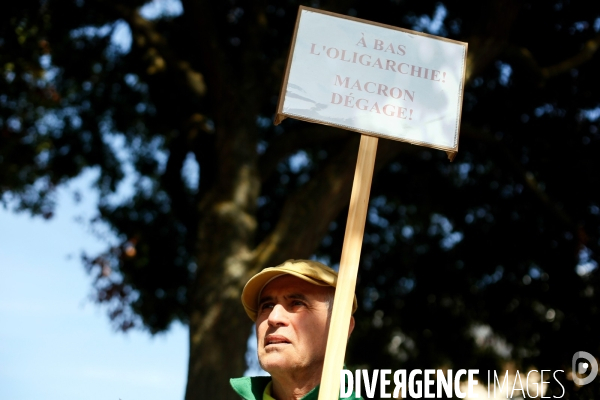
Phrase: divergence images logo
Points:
(580, 368)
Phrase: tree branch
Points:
(306, 215)
(544, 73)
(586, 53)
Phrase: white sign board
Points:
(375, 79)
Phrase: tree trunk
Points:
(218, 338)
(219, 327)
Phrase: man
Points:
(291, 305)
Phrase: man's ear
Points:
(351, 326)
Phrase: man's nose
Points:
(278, 315)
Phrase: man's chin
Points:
(274, 361)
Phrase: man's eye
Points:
(297, 303)
(265, 306)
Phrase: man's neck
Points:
(294, 385)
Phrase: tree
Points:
(504, 240)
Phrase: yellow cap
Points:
(308, 270)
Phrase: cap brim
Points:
(256, 284)
(253, 288)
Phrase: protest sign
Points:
(381, 81)
(375, 79)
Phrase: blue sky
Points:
(54, 342)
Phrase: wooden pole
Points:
(346, 283)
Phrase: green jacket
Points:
(252, 388)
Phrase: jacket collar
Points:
(250, 388)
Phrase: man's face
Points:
(292, 325)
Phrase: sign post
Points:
(380, 81)
(346, 284)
